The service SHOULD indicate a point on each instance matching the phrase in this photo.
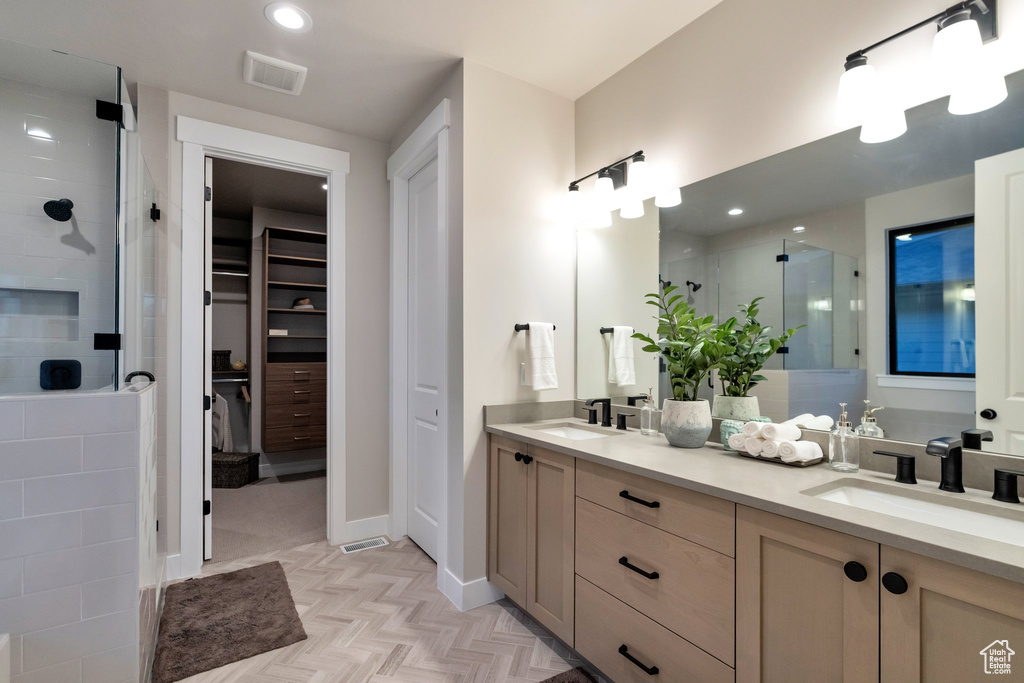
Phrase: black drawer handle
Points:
(624, 561)
(303, 414)
(645, 503)
(302, 391)
(301, 438)
(649, 670)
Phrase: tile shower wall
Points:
(52, 146)
(71, 549)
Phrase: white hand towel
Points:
(781, 432)
(621, 369)
(738, 442)
(802, 451)
(753, 445)
(542, 356)
(770, 449)
(799, 419)
(753, 428)
(822, 422)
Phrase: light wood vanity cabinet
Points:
(532, 526)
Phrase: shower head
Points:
(59, 209)
(694, 285)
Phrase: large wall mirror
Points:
(902, 260)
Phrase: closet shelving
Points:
(294, 363)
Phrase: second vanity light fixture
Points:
(624, 185)
(975, 84)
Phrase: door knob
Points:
(894, 583)
(989, 414)
(855, 571)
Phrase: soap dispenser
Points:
(647, 415)
(869, 425)
(844, 445)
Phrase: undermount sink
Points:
(966, 516)
(572, 432)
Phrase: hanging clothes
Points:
(221, 431)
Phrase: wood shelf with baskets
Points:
(294, 363)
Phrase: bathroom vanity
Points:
(657, 563)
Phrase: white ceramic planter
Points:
(686, 424)
(743, 408)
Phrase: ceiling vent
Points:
(273, 74)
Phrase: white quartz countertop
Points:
(778, 488)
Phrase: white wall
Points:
(366, 217)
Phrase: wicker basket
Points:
(235, 470)
(222, 360)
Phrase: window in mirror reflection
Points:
(931, 299)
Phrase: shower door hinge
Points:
(856, 273)
(207, 297)
(783, 349)
(207, 506)
(110, 111)
(209, 193)
(856, 352)
(106, 342)
(207, 402)
(781, 257)
(154, 213)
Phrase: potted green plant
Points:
(746, 347)
(691, 346)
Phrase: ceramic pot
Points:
(686, 424)
(743, 408)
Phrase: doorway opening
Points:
(266, 332)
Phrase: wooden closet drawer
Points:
(702, 519)
(294, 438)
(608, 629)
(685, 587)
(296, 372)
(289, 393)
(304, 415)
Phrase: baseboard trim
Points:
(172, 567)
(268, 469)
(361, 529)
(470, 594)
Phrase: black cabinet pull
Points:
(645, 503)
(894, 583)
(649, 670)
(527, 459)
(624, 561)
(855, 571)
(519, 457)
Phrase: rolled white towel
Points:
(738, 442)
(753, 445)
(799, 419)
(782, 432)
(770, 449)
(822, 422)
(799, 451)
(753, 428)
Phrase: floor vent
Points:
(364, 545)
(274, 74)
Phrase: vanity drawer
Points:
(693, 593)
(305, 415)
(291, 393)
(604, 625)
(703, 519)
(296, 372)
(294, 438)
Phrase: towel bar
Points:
(525, 327)
(609, 330)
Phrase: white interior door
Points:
(999, 291)
(208, 364)
(426, 362)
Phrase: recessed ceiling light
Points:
(735, 212)
(325, 186)
(799, 228)
(287, 16)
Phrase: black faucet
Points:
(591, 415)
(951, 450)
(972, 438)
(606, 413)
(631, 400)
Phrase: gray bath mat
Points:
(577, 675)
(216, 620)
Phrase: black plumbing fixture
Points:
(905, 467)
(950, 449)
(693, 285)
(59, 209)
(606, 413)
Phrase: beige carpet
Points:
(271, 514)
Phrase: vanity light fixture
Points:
(288, 17)
(975, 84)
(630, 173)
(668, 198)
(632, 209)
(735, 212)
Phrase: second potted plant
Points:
(746, 347)
(691, 346)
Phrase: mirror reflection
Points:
(867, 251)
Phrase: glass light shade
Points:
(604, 190)
(632, 209)
(883, 124)
(668, 198)
(956, 44)
(978, 91)
(639, 180)
(856, 90)
(574, 206)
